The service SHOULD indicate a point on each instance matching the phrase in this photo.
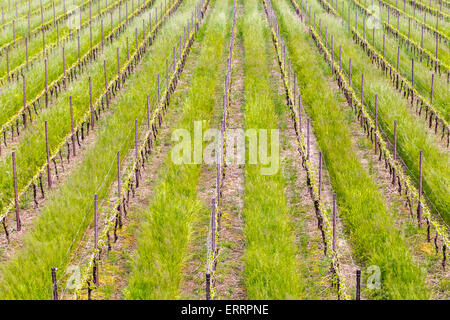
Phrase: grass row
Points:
(370, 226)
(69, 210)
(21, 26)
(413, 132)
(415, 32)
(17, 55)
(271, 266)
(11, 98)
(430, 19)
(422, 74)
(26, 8)
(164, 235)
(31, 150)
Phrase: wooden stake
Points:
(96, 221)
(208, 286)
(398, 56)
(128, 50)
(136, 36)
(213, 225)
(409, 28)
(95, 271)
(395, 140)
(55, 284)
(49, 176)
(46, 83)
(91, 107)
(119, 187)
(7, 62)
(159, 92)
(350, 72)
(79, 53)
(376, 124)
(26, 51)
(24, 100)
(432, 85)
(412, 72)
(167, 73)
(421, 39)
(136, 140)
(72, 127)
(437, 45)
(299, 112)
(42, 14)
(362, 97)
(90, 35)
(334, 222)
(419, 209)
(308, 144)
(43, 42)
(118, 65)
(358, 284)
(148, 112)
(320, 173)
(16, 195)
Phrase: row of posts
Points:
(49, 178)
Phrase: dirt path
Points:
(230, 268)
(193, 282)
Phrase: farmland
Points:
(224, 150)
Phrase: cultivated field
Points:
(224, 149)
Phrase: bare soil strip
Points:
(230, 267)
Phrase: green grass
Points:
(271, 268)
(68, 212)
(413, 132)
(164, 236)
(17, 56)
(31, 152)
(422, 73)
(11, 98)
(429, 41)
(22, 9)
(21, 26)
(406, 7)
(370, 227)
